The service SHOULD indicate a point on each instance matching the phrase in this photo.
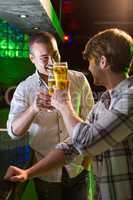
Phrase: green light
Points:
(13, 42)
(53, 17)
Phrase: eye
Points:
(44, 58)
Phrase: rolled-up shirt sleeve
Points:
(102, 135)
(103, 132)
(99, 135)
(69, 150)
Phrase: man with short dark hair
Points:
(29, 114)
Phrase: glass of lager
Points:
(60, 71)
(51, 81)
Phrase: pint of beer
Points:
(51, 82)
(60, 71)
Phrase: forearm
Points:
(22, 123)
(54, 159)
(71, 119)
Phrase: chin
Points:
(45, 72)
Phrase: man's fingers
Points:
(15, 174)
(10, 172)
(19, 178)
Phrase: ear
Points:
(31, 57)
(103, 63)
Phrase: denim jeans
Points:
(69, 189)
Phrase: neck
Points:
(44, 77)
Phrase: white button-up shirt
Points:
(47, 128)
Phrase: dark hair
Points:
(41, 37)
(46, 38)
(115, 45)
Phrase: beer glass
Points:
(60, 71)
(51, 82)
(48, 89)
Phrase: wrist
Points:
(66, 108)
(33, 110)
(28, 174)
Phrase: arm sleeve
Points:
(18, 105)
(112, 128)
(69, 150)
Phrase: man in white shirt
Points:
(29, 115)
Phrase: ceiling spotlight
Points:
(23, 16)
(36, 28)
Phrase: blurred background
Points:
(72, 22)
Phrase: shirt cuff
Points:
(69, 150)
(11, 133)
(78, 138)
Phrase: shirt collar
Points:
(41, 82)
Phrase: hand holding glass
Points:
(58, 77)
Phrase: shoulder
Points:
(76, 76)
(130, 89)
(126, 92)
(27, 83)
(127, 88)
(123, 102)
(75, 73)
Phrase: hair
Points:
(115, 45)
(46, 38)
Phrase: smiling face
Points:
(42, 56)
